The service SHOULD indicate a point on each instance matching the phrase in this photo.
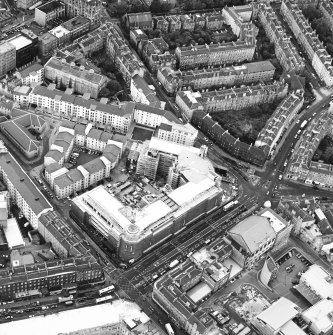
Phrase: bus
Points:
(64, 299)
(169, 329)
(107, 289)
(303, 124)
(103, 299)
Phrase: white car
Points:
(280, 177)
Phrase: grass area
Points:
(245, 124)
(141, 134)
(324, 151)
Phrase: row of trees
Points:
(319, 24)
(118, 9)
(199, 36)
(208, 4)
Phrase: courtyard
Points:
(285, 279)
(141, 134)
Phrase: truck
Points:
(173, 263)
(169, 329)
(303, 124)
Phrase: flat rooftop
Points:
(75, 23)
(20, 42)
(115, 210)
(13, 234)
(59, 31)
(77, 319)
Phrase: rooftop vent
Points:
(36, 199)
(22, 179)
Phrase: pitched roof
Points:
(21, 135)
(23, 184)
(94, 166)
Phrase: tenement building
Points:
(285, 51)
(198, 79)
(321, 61)
(234, 98)
(50, 275)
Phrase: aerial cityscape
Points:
(166, 167)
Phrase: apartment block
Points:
(68, 75)
(198, 79)
(178, 133)
(69, 106)
(7, 58)
(32, 74)
(234, 99)
(151, 116)
(49, 11)
(321, 61)
(285, 50)
(91, 9)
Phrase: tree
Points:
(108, 66)
(113, 86)
(104, 93)
(120, 9)
(155, 6)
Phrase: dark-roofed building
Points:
(77, 26)
(49, 11)
(138, 20)
(47, 43)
